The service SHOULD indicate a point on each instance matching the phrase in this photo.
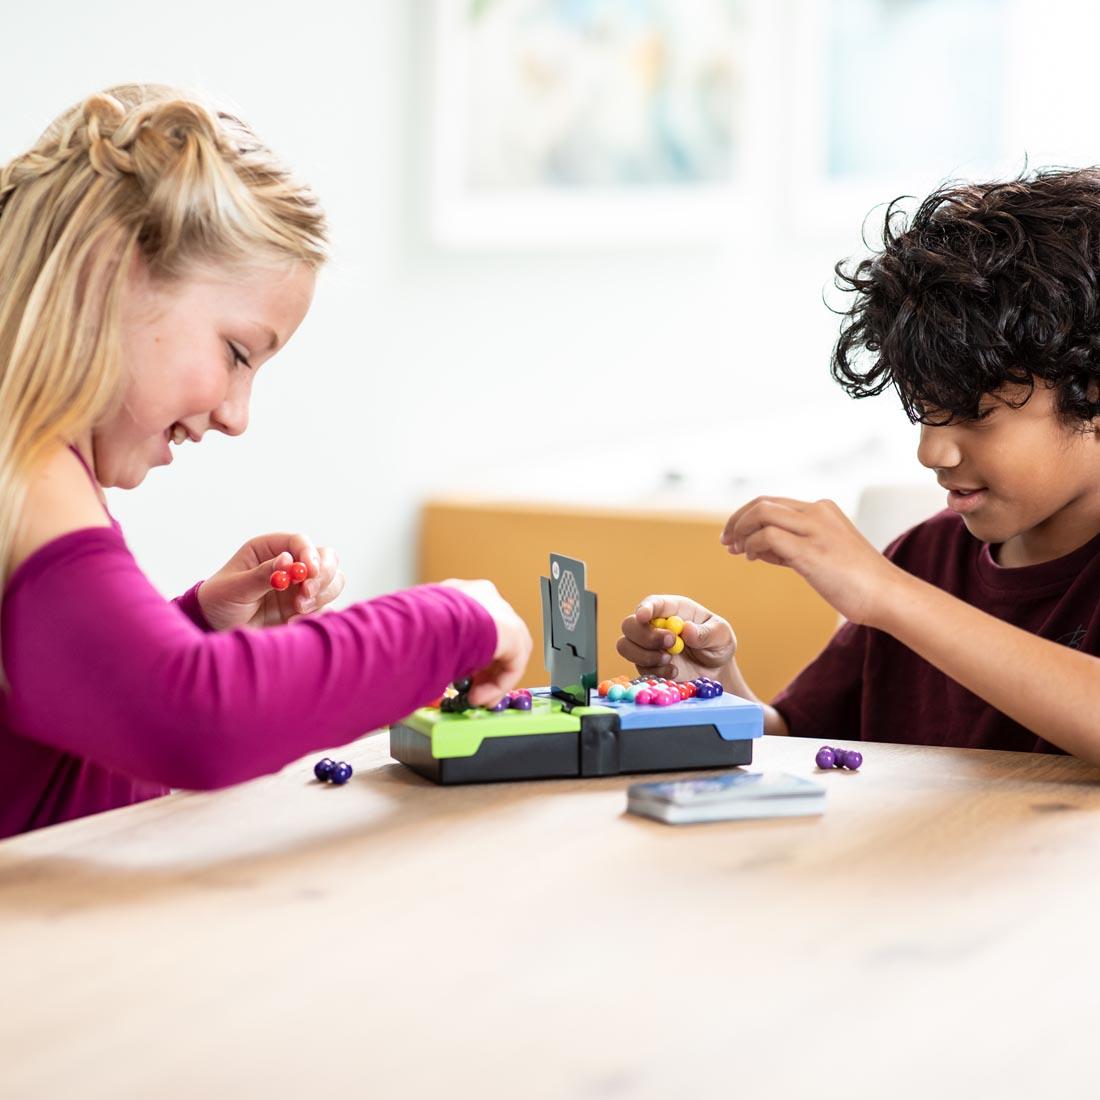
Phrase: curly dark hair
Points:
(986, 284)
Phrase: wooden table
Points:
(935, 933)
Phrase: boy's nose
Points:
(938, 448)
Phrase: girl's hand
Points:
(820, 543)
(513, 644)
(240, 593)
(709, 641)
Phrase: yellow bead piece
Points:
(676, 647)
(659, 624)
(675, 624)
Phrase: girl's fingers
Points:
(306, 603)
(256, 583)
(314, 590)
(301, 546)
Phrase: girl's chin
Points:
(127, 475)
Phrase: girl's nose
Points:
(231, 416)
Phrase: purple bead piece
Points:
(341, 773)
(854, 759)
(841, 757)
(323, 768)
(496, 708)
(520, 702)
(825, 758)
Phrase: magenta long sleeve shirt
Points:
(115, 694)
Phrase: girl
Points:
(153, 256)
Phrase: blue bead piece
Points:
(341, 773)
(323, 768)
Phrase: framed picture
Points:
(893, 97)
(559, 122)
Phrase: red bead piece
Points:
(280, 580)
(690, 688)
(298, 572)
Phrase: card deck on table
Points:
(731, 795)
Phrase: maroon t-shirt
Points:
(866, 685)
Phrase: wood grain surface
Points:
(933, 934)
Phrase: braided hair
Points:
(139, 172)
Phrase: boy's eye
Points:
(984, 414)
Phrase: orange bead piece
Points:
(605, 687)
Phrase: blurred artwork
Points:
(599, 94)
(913, 83)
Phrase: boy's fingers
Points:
(643, 635)
(773, 545)
(789, 503)
(771, 514)
(647, 659)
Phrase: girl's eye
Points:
(239, 357)
(984, 414)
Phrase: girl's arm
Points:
(99, 664)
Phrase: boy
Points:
(978, 628)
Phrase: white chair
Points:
(886, 511)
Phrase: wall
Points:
(703, 370)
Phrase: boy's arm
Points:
(734, 681)
(1046, 687)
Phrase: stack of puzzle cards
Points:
(726, 797)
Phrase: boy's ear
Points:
(1092, 392)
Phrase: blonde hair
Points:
(138, 170)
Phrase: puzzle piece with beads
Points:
(578, 726)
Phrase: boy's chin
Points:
(987, 530)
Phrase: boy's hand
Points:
(513, 644)
(240, 593)
(709, 641)
(820, 543)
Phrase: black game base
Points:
(600, 748)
